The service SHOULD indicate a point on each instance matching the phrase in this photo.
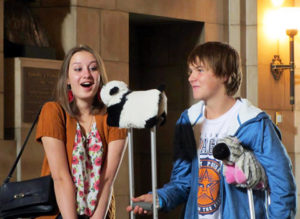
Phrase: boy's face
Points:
(206, 86)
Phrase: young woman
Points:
(82, 152)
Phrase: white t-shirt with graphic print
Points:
(208, 197)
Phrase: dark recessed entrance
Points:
(158, 51)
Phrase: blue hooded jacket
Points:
(256, 131)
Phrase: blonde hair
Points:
(61, 87)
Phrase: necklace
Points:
(86, 130)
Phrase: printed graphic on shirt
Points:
(207, 144)
(209, 168)
(208, 187)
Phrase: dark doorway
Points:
(158, 51)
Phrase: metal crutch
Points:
(154, 172)
(131, 169)
(251, 203)
(147, 206)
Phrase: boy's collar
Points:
(247, 111)
(195, 112)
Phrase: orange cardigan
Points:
(54, 123)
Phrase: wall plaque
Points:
(38, 87)
(29, 83)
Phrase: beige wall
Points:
(273, 96)
(104, 25)
(63, 20)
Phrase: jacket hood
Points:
(188, 127)
(247, 113)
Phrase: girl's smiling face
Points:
(83, 76)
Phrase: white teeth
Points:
(85, 84)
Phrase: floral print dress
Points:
(86, 166)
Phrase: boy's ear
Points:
(225, 79)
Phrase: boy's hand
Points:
(138, 209)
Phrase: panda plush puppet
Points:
(133, 109)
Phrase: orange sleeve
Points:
(51, 122)
(115, 133)
(109, 133)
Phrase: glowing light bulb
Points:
(277, 3)
(276, 22)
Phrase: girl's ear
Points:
(67, 80)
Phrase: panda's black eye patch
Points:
(114, 90)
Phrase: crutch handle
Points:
(145, 205)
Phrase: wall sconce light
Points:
(277, 67)
(286, 19)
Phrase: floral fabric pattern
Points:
(86, 166)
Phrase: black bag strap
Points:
(22, 148)
(25, 142)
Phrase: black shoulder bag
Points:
(29, 198)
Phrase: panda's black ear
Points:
(114, 90)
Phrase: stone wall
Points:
(274, 95)
(104, 25)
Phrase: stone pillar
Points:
(114, 49)
(114, 44)
(251, 56)
(236, 28)
(29, 84)
(109, 35)
(242, 28)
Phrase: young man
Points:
(196, 180)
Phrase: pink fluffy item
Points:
(234, 175)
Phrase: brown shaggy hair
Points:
(223, 60)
